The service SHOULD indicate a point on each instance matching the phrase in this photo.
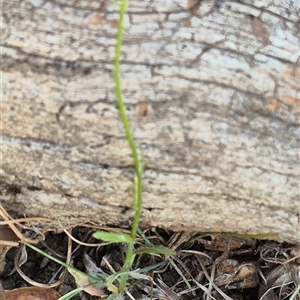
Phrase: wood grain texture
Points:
(212, 93)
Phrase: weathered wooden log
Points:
(212, 93)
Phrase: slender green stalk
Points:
(69, 267)
(138, 182)
(296, 292)
(138, 186)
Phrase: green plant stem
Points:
(127, 265)
(117, 73)
(138, 186)
(138, 182)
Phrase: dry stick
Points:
(14, 221)
(10, 222)
(9, 243)
(83, 243)
(16, 231)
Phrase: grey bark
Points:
(212, 93)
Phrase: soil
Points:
(240, 268)
(235, 262)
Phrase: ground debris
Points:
(221, 267)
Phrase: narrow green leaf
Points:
(112, 297)
(160, 249)
(153, 267)
(69, 267)
(113, 237)
(261, 236)
(71, 294)
(143, 236)
(296, 292)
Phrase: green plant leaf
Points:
(160, 249)
(112, 288)
(113, 237)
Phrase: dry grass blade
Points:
(170, 294)
(83, 243)
(207, 291)
(295, 253)
(179, 271)
(163, 291)
(179, 238)
(281, 280)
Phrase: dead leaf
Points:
(83, 280)
(7, 237)
(231, 273)
(31, 293)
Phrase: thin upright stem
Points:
(137, 155)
